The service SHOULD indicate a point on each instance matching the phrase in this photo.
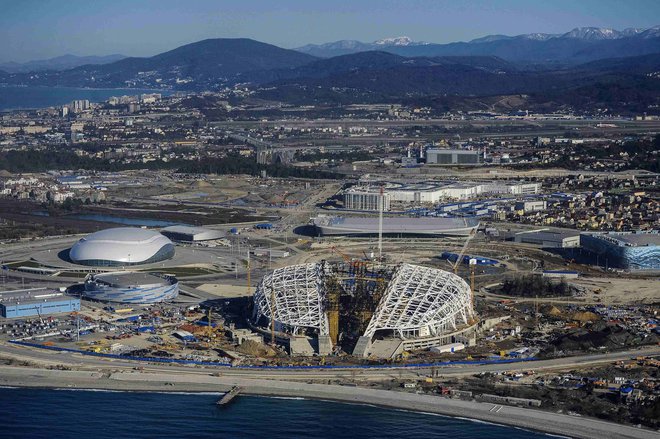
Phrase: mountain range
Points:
(574, 47)
(582, 68)
(63, 62)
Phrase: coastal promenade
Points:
(560, 424)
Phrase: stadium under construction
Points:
(362, 307)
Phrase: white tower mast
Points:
(381, 202)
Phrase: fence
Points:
(328, 366)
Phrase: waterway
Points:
(139, 222)
(12, 98)
(39, 413)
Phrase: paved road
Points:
(82, 361)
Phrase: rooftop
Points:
(392, 222)
(130, 278)
(123, 234)
(192, 231)
(550, 235)
(33, 295)
(632, 239)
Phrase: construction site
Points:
(364, 309)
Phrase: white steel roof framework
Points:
(299, 297)
(419, 297)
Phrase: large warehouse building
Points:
(631, 251)
(122, 246)
(395, 226)
(548, 238)
(453, 156)
(131, 287)
(366, 196)
(36, 302)
(407, 304)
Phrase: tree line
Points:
(45, 160)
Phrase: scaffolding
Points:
(421, 301)
(293, 297)
(358, 298)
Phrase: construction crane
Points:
(343, 255)
(209, 326)
(459, 259)
(272, 299)
(472, 265)
(355, 263)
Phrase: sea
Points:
(16, 98)
(71, 413)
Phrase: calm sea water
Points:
(40, 97)
(41, 413)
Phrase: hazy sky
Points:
(36, 29)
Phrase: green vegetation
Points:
(344, 156)
(534, 286)
(40, 161)
(236, 164)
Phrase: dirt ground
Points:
(620, 291)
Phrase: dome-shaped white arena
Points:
(121, 246)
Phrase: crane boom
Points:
(343, 255)
(465, 246)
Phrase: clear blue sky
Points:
(36, 29)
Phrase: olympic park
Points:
(367, 308)
(315, 300)
(131, 265)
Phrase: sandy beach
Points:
(549, 422)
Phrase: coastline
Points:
(528, 419)
(41, 96)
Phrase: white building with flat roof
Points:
(366, 200)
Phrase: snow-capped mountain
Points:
(344, 47)
(581, 33)
(538, 36)
(398, 41)
(581, 44)
(593, 33)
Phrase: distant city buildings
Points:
(436, 156)
(79, 105)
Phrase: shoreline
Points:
(73, 90)
(294, 398)
(168, 382)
